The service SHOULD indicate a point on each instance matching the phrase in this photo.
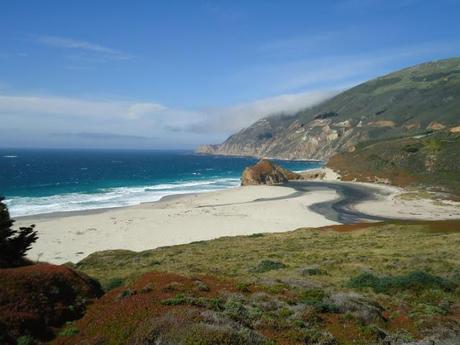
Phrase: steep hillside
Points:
(414, 100)
(432, 160)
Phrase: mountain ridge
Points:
(407, 102)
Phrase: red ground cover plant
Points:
(125, 313)
(36, 299)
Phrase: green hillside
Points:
(415, 96)
(432, 160)
(412, 101)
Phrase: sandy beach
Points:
(247, 210)
(182, 219)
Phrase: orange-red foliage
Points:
(34, 299)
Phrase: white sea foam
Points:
(112, 197)
(10, 156)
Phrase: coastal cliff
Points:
(416, 100)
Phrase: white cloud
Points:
(70, 43)
(233, 118)
(75, 107)
(66, 119)
(137, 110)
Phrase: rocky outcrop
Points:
(455, 129)
(315, 174)
(408, 103)
(288, 138)
(435, 126)
(265, 172)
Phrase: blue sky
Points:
(175, 74)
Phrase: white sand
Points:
(183, 219)
(392, 202)
(399, 203)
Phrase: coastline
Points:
(257, 157)
(185, 218)
(177, 220)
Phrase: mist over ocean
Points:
(42, 181)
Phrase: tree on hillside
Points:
(13, 243)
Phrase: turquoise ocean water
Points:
(43, 181)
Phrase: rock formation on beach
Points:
(265, 172)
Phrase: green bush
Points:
(312, 296)
(236, 310)
(25, 340)
(268, 265)
(243, 287)
(177, 300)
(69, 331)
(113, 284)
(256, 235)
(412, 281)
(204, 334)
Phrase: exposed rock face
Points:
(435, 126)
(455, 129)
(405, 103)
(288, 138)
(265, 172)
(316, 174)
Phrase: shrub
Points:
(126, 293)
(315, 336)
(69, 331)
(114, 283)
(201, 286)
(243, 287)
(177, 300)
(256, 235)
(312, 296)
(412, 281)
(311, 271)
(236, 310)
(317, 299)
(25, 340)
(204, 334)
(268, 265)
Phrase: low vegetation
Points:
(432, 160)
(381, 283)
(36, 300)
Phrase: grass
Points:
(414, 281)
(401, 277)
(386, 248)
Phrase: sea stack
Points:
(266, 172)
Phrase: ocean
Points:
(36, 181)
